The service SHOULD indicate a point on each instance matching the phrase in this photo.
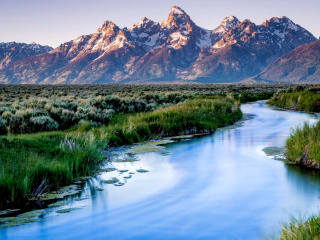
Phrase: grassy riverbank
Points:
(302, 230)
(204, 114)
(303, 148)
(303, 144)
(34, 163)
(299, 99)
(51, 135)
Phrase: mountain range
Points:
(11, 52)
(175, 50)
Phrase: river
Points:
(220, 186)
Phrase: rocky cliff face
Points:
(11, 52)
(175, 50)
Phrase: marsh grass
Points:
(30, 161)
(302, 147)
(194, 116)
(306, 100)
(35, 163)
(302, 230)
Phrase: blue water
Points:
(220, 186)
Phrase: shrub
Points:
(7, 115)
(3, 126)
(42, 123)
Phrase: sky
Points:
(57, 21)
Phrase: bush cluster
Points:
(33, 108)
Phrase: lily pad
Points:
(32, 214)
(81, 199)
(15, 221)
(66, 210)
(127, 160)
(142, 170)
(58, 204)
(128, 177)
(61, 193)
(8, 219)
(123, 171)
(152, 146)
(118, 184)
(112, 181)
(109, 169)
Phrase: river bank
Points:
(302, 145)
(301, 148)
(45, 161)
(210, 187)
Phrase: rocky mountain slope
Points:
(175, 50)
(300, 65)
(11, 52)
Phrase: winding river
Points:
(220, 186)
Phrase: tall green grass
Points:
(58, 158)
(302, 230)
(303, 145)
(28, 160)
(308, 101)
(204, 114)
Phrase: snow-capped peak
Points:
(109, 27)
(177, 19)
(227, 23)
(230, 21)
(177, 11)
(143, 22)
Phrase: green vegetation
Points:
(303, 148)
(303, 145)
(193, 116)
(302, 230)
(53, 135)
(34, 108)
(298, 98)
(36, 163)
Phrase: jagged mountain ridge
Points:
(176, 49)
(11, 52)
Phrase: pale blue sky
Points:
(57, 21)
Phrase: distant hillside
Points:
(301, 65)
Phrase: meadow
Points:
(52, 135)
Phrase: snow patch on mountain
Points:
(177, 11)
